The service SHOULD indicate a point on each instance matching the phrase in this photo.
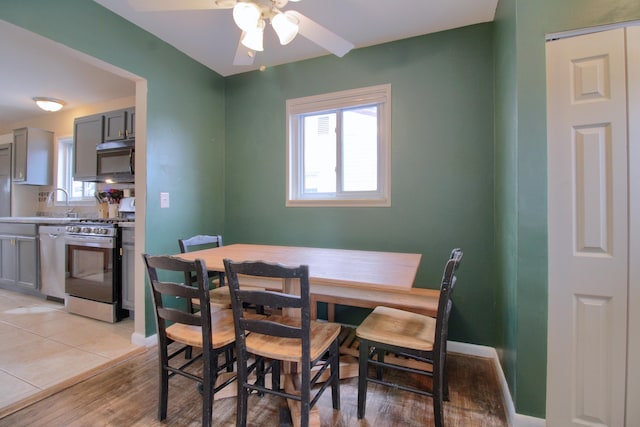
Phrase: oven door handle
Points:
(94, 242)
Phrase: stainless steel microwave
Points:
(116, 161)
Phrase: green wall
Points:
(442, 162)
(185, 114)
(521, 26)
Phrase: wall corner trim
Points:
(141, 340)
(513, 419)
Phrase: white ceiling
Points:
(35, 66)
(211, 37)
(40, 67)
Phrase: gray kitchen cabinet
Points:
(33, 159)
(19, 263)
(131, 122)
(128, 261)
(87, 134)
(119, 125)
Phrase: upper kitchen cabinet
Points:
(87, 134)
(32, 156)
(119, 125)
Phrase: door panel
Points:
(633, 67)
(588, 230)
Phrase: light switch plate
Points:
(164, 200)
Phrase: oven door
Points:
(90, 268)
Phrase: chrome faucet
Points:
(66, 200)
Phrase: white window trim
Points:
(380, 94)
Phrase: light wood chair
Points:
(291, 337)
(179, 329)
(415, 344)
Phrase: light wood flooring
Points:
(126, 395)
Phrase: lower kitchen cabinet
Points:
(128, 260)
(19, 257)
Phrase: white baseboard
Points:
(527, 421)
(514, 420)
(141, 340)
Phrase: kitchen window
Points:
(79, 191)
(339, 148)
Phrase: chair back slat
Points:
(186, 245)
(179, 316)
(274, 329)
(266, 269)
(176, 289)
(271, 298)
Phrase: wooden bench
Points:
(417, 300)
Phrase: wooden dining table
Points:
(353, 277)
(330, 267)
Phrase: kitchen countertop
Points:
(37, 219)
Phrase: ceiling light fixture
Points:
(250, 17)
(253, 38)
(49, 104)
(285, 25)
(247, 15)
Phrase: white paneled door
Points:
(590, 230)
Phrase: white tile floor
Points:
(42, 345)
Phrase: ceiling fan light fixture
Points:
(285, 26)
(48, 104)
(253, 39)
(247, 15)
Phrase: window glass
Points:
(339, 148)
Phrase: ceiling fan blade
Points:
(322, 36)
(167, 5)
(244, 55)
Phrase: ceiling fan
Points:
(251, 17)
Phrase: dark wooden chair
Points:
(219, 294)
(179, 329)
(290, 337)
(409, 342)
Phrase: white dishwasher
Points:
(52, 260)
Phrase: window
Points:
(339, 147)
(78, 190)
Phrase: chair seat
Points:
(400, 328)
(222, 328)
(289, 349)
